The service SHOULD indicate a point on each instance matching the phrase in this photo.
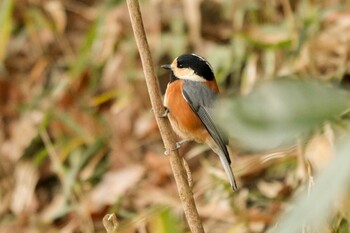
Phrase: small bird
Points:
(189, 96)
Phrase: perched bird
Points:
(189, 96)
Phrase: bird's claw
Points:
(177, 146)
(164, 114)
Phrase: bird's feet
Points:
(177, 146)
(165, 113)
(179, 143)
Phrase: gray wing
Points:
(200, 98)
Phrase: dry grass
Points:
(78, 140)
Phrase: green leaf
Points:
(6, 7)
(343, 226)
(164, 222)
(82, 60)
(275, 113)
(270, 36)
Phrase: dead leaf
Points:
(110, 33)
(327, 54)
(52, 210)
(110, 223)
(26, 178)
(114, 185)
(58, 14)
(159, 167)
(319, 151)
(270, 189)
(145, 125)
(22, 133)
(256, 227)
(6, 183)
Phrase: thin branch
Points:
(110, 223)
(168, 136)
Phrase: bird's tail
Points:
(228, 171)
(226, 164)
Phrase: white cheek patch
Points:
(188, 74)
(195, 78)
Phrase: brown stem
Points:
(166, 132)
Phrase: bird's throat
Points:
(173, 78)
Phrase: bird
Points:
(189, 97)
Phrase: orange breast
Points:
(184, 121)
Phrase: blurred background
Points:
(78, 139)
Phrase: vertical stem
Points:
(185, 193)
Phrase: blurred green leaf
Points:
(36, 20)
(84, 53)
(275, 113)
(268, 36)
(75, 126)
(312, 208)
(221, 60)
(93, 148)
(342, 226)
(6, 7)
(164, 222)
(40, 156)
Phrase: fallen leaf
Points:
(26, 178)
(319, 151)
(114, 185)
(58, 14)
(22, 133)
(159, 167)
(270, 189)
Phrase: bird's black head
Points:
(191, 67)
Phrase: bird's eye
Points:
(180, 65)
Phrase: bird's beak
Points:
(166, 66)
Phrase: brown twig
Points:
(166, 132)
(110, 223)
